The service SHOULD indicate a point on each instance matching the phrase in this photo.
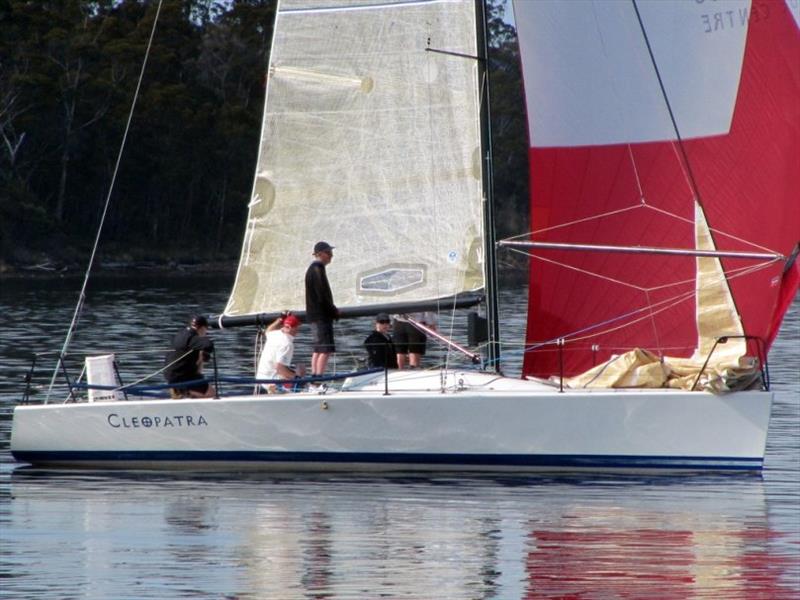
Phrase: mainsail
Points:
(647, 121)
(371, 142)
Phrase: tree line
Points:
(68, 73)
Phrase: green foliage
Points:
(68, 71)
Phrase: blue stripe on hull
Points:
(533, 461)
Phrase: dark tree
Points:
(68, 71)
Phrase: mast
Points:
(490, 262)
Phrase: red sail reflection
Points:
(655, 563)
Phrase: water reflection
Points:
(268, 537)
(631, 552)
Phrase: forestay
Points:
(372, 143)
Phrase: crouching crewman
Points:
(276, 357)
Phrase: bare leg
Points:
(314, 361)
(322, 362)
(401, 361)
(319, 360)
(209, 393)
(414, 360)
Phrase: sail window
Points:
(392, 280)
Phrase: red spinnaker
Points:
(638, 192)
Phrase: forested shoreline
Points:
(68, 72)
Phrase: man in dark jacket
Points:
(379, 344)
(320, 309)
(190, 348)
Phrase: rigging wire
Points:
(258, 347)
(682, 148)
(640, 205)
(153, 374)
(669, 302)
(683, 157)
(714, 230)
(643, 201)
(661, 306)
(483, 99)
(585, 219)
(653, 323)
(636, 174)
(429, 66)
(82, 295)
(730, 272)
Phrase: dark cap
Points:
(322, 247)
(199, 321)
(382, 318)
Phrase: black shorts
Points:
(408, 339)
(200, 387)
(178, 392)
(323, 337)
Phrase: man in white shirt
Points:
(276, 357)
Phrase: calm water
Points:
(92, 534)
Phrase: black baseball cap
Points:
(322, 247)
(199, 321)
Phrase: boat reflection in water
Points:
(324, 537)
(648, 553)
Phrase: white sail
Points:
(591, 82)
(372, 143)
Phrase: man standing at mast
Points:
(320, 309)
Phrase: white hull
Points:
(474, 422)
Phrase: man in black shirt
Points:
(320, 309)
(379, 344)
(190, 348)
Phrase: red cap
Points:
(291, 321)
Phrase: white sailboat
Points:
(372, 139)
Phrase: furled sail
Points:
(648, 122)
(370, 142)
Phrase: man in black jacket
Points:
(190, 349)
(379, 344)
(320, 309)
